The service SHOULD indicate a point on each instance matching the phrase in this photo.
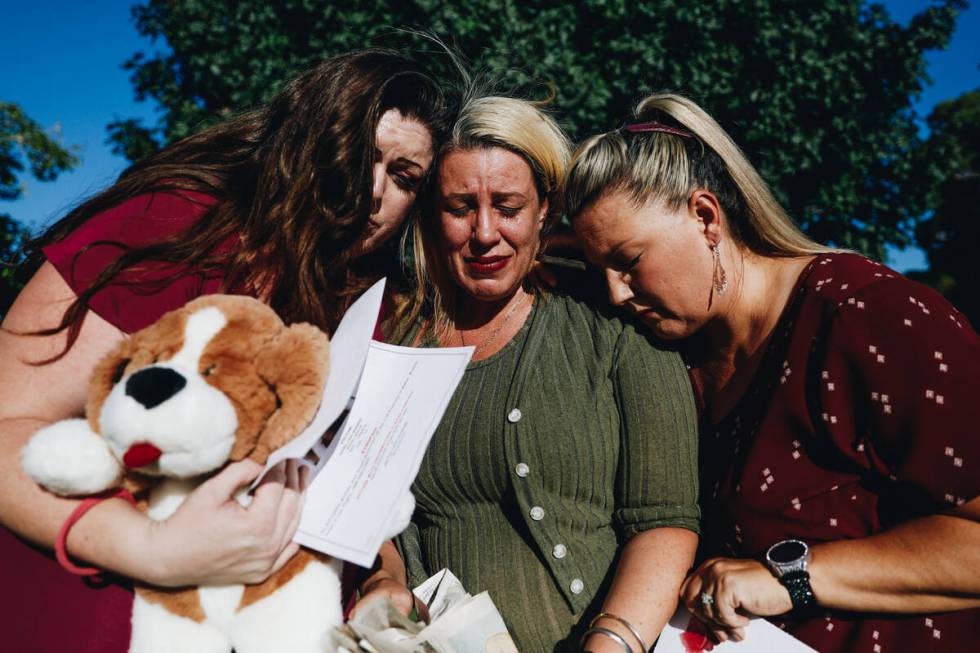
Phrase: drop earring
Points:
(718, 277)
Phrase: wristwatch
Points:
(788, 561)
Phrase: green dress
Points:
(577, 435)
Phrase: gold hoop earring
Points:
(718, 277)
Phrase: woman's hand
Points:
(560, 254)
(399, 595)
(739, 589)
(212, 539)
(388, 580)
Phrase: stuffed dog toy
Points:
(219, 380)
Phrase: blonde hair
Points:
(667, 166)
(517, 125)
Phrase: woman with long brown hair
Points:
(290, 203)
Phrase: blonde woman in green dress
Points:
(562, 478)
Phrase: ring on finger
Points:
(707, 600)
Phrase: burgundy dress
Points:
(863, 414)
(46, 609)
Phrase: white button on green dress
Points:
(576, 586)
(537, 513)
(514, 416)
(522, 470)
(559, 551)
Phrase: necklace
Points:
(489, 340)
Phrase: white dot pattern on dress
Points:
(875, 379)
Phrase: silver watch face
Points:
(788, 556)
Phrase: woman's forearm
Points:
(389, 581)
(928, 564)
(644, 590)
(390, 566)
(108, 536)
(209, 540)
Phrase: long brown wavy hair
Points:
(292, 179)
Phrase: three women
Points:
(823, 379)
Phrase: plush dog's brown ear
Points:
(294, 365)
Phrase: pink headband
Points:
(641, 127)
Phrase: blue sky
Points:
(63, 66)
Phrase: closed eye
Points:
(620, 266)
(406, 181)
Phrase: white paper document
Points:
(760, 636)
(381, 405)
(377, 451)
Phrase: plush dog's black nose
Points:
(154, 385)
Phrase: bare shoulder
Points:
(53, 390)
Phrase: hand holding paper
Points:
(380, 407)
(684, 634)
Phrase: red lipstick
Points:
(486, 264)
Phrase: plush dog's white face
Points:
(218, 380)
(166, 419)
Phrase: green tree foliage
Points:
(818, 94)
(24, 147)
(950, 166)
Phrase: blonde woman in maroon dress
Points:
(839, 454)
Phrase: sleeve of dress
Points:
(898, 392)
(657, 479)
(409, 545)
(138, 295)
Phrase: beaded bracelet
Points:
(629, 627)
(599, 630)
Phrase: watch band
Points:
(800, 592)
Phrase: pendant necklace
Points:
(489, 340)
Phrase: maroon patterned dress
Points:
(863, 415)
